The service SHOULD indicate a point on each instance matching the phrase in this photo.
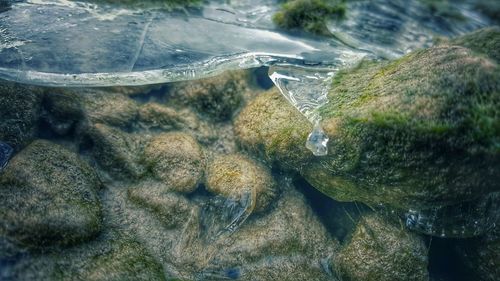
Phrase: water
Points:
(67, 43)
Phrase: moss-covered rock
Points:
(117, 152)
(122, 260)
(484, 41)
(172, 209)
(379, 250)
(109, 108)
(19, 113)
(268, 126)
(157, 117)
(288, 243)
(48, 196)
(176, 159)
(309, 15)
(216, 97)
(234, 176)
(417, 132)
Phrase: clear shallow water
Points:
(70, 43)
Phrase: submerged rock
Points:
(115, 151)
(379, 250)
(156, 117)
(122, 260)
(288, 243)
(268, 126)
(484, 41)
(234, 176)
(48, 196)
(176, 159)
(414, 133)
(217, 97)
(109, 108)
(19, 114)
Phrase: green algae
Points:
(309, 15)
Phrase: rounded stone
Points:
(48, 196)
(176, 159)
(234, 175)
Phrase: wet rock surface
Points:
(211, 179)
(176, 159)
(417, 132)
(48, 197)
(379, 250)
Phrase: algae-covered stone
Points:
(48, 196)
(157, 117)
(123, 260)
(233, 176)
(379, 250)
(109, 108)
(172, 209)
(217, 97)
(286, 244)
(176, 159)
(270, 127)
(309, 15)
(19, 113)
(116, 151)
(418, 132)
(483, 41)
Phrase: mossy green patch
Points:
(309, 15)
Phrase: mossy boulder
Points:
(109, 108)
(116, 152)
(379, 250)
(48, 196)
(235, 176)
(288, 243)
(123, 259)
(19, 113)
(484, 41)
(176, 159)
(271, 128)
(156, 117)
(418, 132)
(309, 15)
(217, 97)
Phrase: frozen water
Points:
(71, 43)
(317, 141)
